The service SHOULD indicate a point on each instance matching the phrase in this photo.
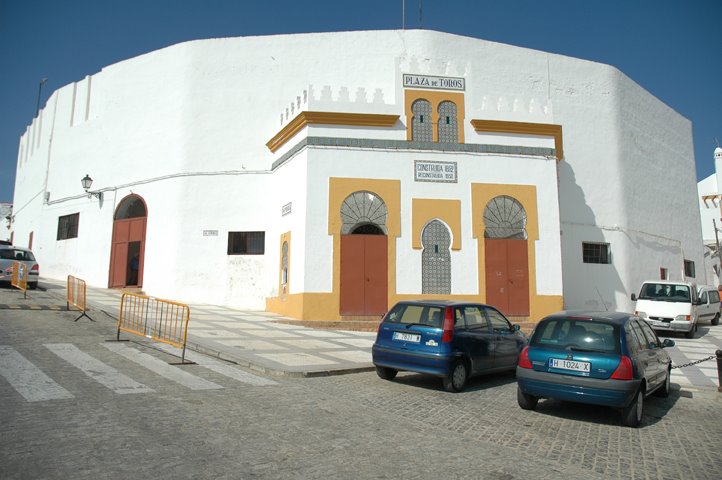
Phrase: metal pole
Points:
(719, 255)
(40, 89)
(719, 370)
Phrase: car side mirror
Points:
(667, 343)
(699, 302)
(515, 328)
(634, 297)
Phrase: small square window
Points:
(595, 253)
(689, 269)
(68, 226)
(246, 243)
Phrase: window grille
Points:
(448, 124)
(436, 259)
(246, 243)
(421, 127)
(505, 217)
(593, 252)
(363, 212)
(68, 226)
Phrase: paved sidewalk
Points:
(254, 340)
(250, 338)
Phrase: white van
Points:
(668, 306)
(709, 307)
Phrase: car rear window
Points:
(580, 335)
(416, 314)
(12, 254)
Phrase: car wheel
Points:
(664, 390)
(632, 413)
(526, 402)
(33, 286)
(690, 334)
(386, 373)
(456, 379)
(715, 320)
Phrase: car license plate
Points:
(570, 365)
(407, 337)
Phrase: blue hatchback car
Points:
(451, 340)
(601, 358)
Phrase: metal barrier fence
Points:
(161, 320)
(20, 277)
(76, 296)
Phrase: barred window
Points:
(448, 124)
(68, 226)
(595, 252)
(246, 243)
(421, 127)
(689, 269)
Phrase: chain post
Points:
(719, 370)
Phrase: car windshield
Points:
(410, 314)
(664, 292)
(13, 254)
(577, 335)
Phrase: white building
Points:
(326, 176)
(710, 196)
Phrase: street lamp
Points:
(86, 182)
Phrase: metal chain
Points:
(694, 363)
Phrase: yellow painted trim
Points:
(523, 128)
(325, 306)
(329, 118)
(424, 210)
(435, 98)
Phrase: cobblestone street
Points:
(78, 406)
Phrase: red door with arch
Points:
(128, 247)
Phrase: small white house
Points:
(329, 175)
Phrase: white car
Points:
(709, 304)
(9, 255)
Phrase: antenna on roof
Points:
(403, 14)
(716, 140)
(421, 14)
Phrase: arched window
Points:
(130, 207)
(284, 264)
(363, 213)
(436, 259)
(421, 127)
(448, 124)
(504, 217)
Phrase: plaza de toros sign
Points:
(429, 81)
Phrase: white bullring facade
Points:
(327, 176)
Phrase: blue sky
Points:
(672, 48)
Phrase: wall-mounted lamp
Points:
(86, 181)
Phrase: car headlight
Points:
(682, 318)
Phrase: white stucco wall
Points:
(185, 127)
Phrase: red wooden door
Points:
(518, 277)
(125, 232)
(507, 275)
(364, 275)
